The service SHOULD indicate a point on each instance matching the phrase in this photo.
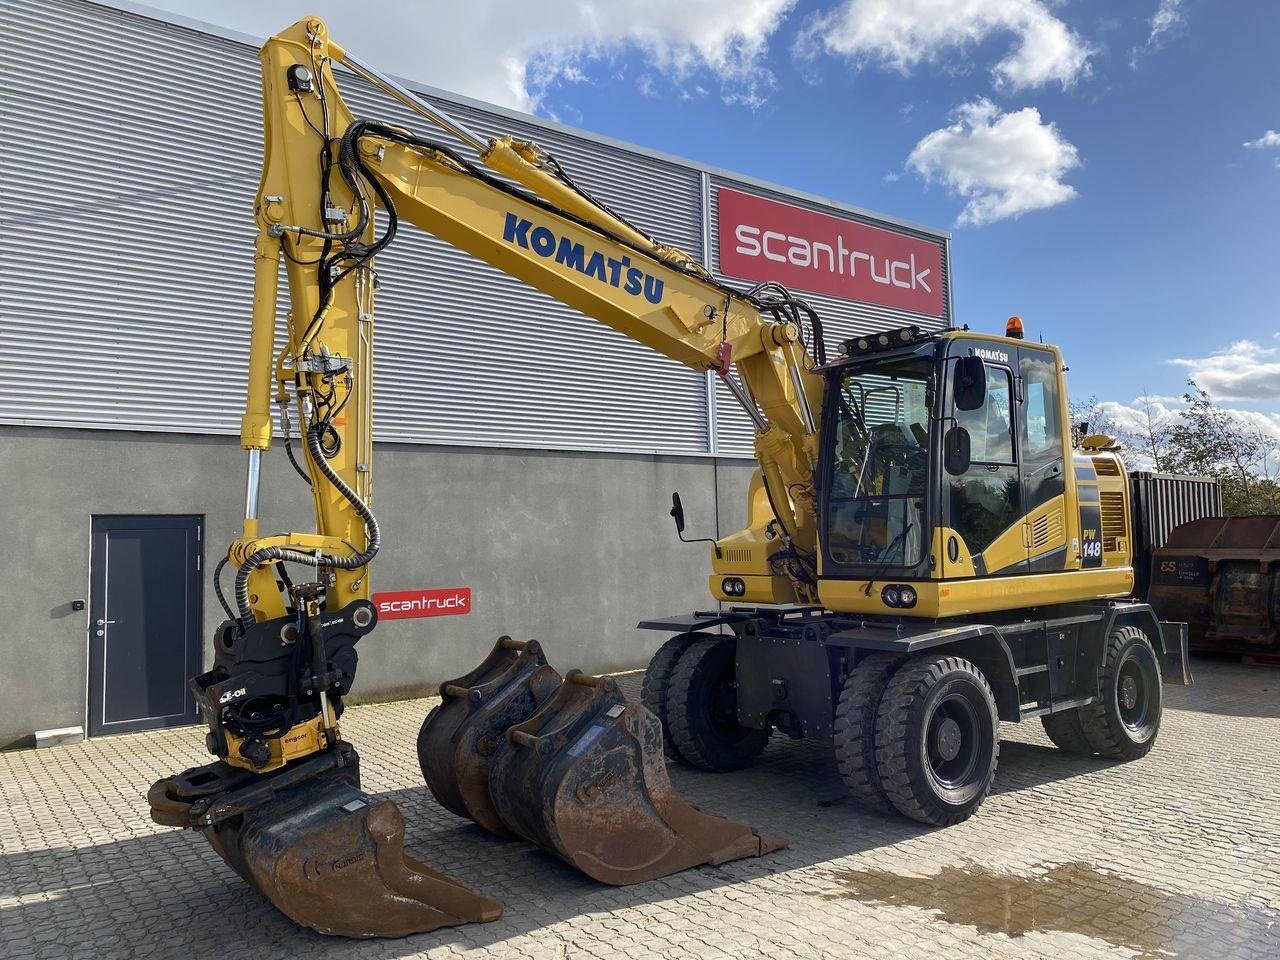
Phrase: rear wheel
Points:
(937, 739)
(1124, 721)
(1067, 732)
(702, 704)
(855, 729)
(657, 682)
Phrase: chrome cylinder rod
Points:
(252, 479)
(414, 102)
(743, 397)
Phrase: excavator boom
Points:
(283, 800)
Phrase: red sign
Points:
(404, 604)
(765, 240)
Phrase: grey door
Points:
(144, 621)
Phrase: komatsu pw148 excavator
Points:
(926, 554)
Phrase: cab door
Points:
(983, 506)
(1042, 442)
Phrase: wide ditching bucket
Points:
(461, 736)
(576, 770)
(1221, 575)
(326, 854)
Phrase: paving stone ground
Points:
(1174, 855)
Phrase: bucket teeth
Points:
(461, 736)
(326, 854)
(571, 767)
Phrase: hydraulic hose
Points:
(287, 555)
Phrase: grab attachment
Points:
(585, 778)
(461, 736)
(326, 854)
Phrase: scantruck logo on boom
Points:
(766, 240)
(440, 602)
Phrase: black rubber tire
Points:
(942, 689)
(854, 731)
(657, 682)
(704, 734)
(1112, 728)
(1067, 732)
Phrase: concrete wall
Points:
(569, 548)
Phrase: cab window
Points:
(986, 499)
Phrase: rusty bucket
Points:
(326, 854)
(1221, 575)
(585, 778)
(460, 737)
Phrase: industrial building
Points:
(526, 454)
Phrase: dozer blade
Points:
(585, 778)
(460, 737)
(326, 854)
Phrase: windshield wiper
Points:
(884, 558)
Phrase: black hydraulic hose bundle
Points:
(287, 555)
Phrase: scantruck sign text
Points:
(765, 240)
(404, 604)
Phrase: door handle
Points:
(103, 623)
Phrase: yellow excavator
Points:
(928, 552)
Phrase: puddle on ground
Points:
(1069, 897)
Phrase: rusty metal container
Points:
(460, 737)
(326, 854)
(1221, 575)
(585, 778)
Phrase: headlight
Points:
(898, 595)
(733, 586)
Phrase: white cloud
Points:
(1168, 20)
(1129, 420)
(1244, 370)
(1002, 164)
(905, 33)
(1267, 141)
(511, 52)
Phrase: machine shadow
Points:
(132, 897)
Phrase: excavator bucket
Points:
(585, 778)
(1221, 575)
(460, 737)
(326, 854)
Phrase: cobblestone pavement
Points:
(1174, 855)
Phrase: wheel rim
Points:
(952, 742)
(1133, 694)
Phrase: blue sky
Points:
(1088, 156)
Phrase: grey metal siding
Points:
(129, 183)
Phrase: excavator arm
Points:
(326, 172)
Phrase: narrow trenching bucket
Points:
(326, 854)
(585, 778)
(461, 736)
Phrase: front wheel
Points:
(702, 704)
(937, 739)
(656, 687)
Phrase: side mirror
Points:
(969, 383)
(955, 451)
(677, 512)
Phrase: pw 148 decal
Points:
(616, 273)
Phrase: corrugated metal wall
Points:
(129, 183)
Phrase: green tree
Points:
(1213, 441)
